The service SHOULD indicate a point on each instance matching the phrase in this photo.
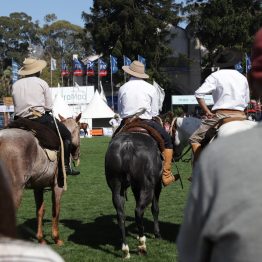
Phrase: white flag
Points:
(102, 93)
(161, 94)
(53, 64)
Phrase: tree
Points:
(131, 28)
(224, 23)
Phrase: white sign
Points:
(190, 100)
(74, 95)
(4, 108)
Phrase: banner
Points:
(90, 68)
(15, 69)
(248, 63)
(64, 71)
(77, 68)
(113, 63)
(141, 59)
(53, 64)
(127, 61)
(102, 66)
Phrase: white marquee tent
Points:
(97, 108)
(61, 107)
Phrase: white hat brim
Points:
(133, 73)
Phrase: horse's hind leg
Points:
(143, 199)
(40, 212)
(155, 210)
(56, 201)
(118, 198)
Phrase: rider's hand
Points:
(209, 114)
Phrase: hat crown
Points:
(137, 67)
(32, 66)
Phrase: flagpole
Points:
(112, 91)
(98, 74)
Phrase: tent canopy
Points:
(61, 107)
(97, 108)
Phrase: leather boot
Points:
(167, 177)
(67, 150)
(196, 148)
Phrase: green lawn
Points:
(88, 221)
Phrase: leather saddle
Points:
(47, 138)
(137, 125)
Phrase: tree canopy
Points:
(131, 28)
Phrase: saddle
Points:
(212, 131)
(137, 125)
(47, 138)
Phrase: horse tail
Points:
(127, 152)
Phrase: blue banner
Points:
(239, 67)
(78, 69)
(141, 59)
(248, 63)
(15, 68)
(113, 62)
(102, 66)
(127, 61)
(64, 69)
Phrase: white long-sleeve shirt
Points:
(31, 92)
(135, 95)
(229, 89)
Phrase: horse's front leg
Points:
(56, 202)
(40, 212)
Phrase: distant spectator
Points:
(12, 249)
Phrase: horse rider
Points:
(33, 100)
(230, 92)
(137, 94)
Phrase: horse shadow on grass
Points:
(104, 231)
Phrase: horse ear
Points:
(61, 117)
(78, 117)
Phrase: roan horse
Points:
(29, 166)
(133, 159)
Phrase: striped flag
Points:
(113, 63)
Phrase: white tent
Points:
(61, 107)
(97, 108)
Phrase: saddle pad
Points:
(51, 154)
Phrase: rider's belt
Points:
(35, 114)
(229, 111)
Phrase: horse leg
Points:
(118, 198)
(143, 199)
(56, 200)
(155, 210)
(40, 212)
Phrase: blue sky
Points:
(64, 9)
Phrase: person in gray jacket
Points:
(222, 217)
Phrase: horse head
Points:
(73, 126)
(181, 130)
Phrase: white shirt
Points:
(229, 89)
(135, 95)
(31, 92)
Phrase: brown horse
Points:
(29, 166)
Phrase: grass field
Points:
(88, 221)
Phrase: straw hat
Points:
(136, 69)
(228, 57)
(31, 66)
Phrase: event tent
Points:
(97, 108)
(61, 107)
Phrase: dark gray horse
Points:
(133, 159)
